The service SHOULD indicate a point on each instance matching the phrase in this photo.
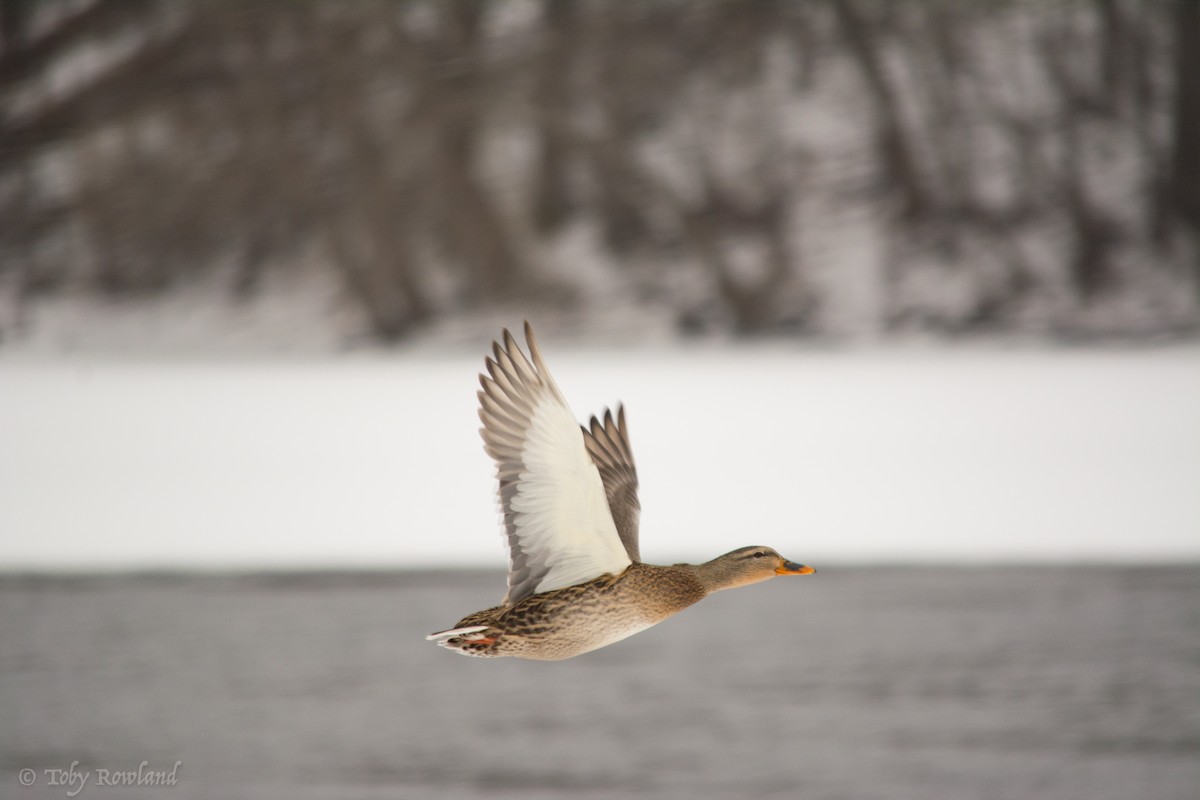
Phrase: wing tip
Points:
(532, 343)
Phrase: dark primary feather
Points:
(608, 445)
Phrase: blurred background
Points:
(801, 169)
(910, 291)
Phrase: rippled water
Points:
(855, 683)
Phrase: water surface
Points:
(1031, 682)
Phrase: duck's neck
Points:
(722, 573)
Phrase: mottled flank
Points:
(571, 621)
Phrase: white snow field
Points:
(966, 454)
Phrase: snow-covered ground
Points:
(886, 454)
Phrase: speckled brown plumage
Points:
(569, 499)
(573, 620)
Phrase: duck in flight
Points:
(576, 580)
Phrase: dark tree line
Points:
(719, 159)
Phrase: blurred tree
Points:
(1022, 166)
(553, 200)
(1185, 155)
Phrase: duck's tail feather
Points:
(474, 640)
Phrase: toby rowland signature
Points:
(73, 779)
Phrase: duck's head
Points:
(748, 565)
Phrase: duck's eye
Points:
(760, 554)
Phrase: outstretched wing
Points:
(608, 445)
(556, 517)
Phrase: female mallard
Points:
(576, 581)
